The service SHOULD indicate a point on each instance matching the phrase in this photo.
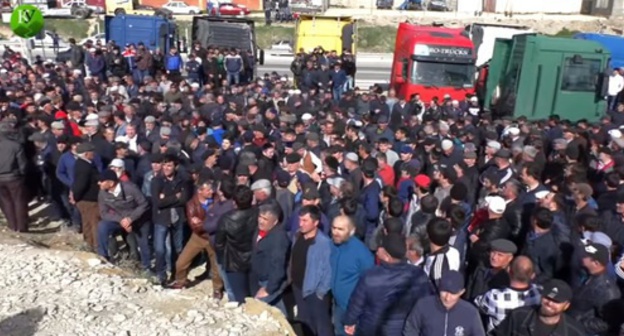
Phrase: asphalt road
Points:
(371, 68)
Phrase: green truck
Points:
(537, 76)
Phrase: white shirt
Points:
(616, 84)
(117, 190)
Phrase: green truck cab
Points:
(537, 76)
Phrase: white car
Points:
(47, 41)
(180, 7)
(96, 39)
(281, 47)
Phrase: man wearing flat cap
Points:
(84, 192)
(495, 273)
(385, 295)
(549, 318)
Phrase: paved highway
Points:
(371, 68)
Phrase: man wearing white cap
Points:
(495, 227)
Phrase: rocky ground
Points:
(49, 288)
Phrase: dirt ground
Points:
(46, 234)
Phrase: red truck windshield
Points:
(440, 74)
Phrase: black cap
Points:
(557, 290)
(503, 246)
(242, 170)
(283, 178)
(597, 252)
(293, 158)
(157, 158)
(85, 147)
(394, 244)
(208, 153)
(452, 282)
(310, 192)
(109, 175)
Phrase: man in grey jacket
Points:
(123, 208)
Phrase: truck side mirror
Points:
(261, 56)
(401, 71)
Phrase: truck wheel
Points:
(120, 11)
(82, 14)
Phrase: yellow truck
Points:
(330, 32)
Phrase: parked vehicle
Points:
(224, 32)
(613, 43)
(329, 32)
(97, 39)
(45, 39)
(180, 7)
(123, 7)
(61, 9)
(438, 6)
(546, 76)
(153, 31)
(484, 35)
(281, 47)
(432, 61)
(230, 9)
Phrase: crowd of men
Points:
(378, 214)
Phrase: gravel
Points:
(51, 292)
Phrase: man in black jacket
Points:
(547, 319)
(234, 242)
(12, 189)
(269, 259)
(170, 192)
(593, 303)
(84, 192)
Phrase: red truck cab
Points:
(433, 62)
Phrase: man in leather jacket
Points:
(234, 242)
(592, 305)
(199, 241)
(548, 318)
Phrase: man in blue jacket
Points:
(173, 63)
(310, 273)
(350, 258)
(385, 294)
(446, 313)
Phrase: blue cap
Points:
(452, 282)
(383, 119)
(406, 149)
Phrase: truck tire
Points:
(192, 13)
(82, 14)
(120, 11)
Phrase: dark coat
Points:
(545, 254)
(522, 322)
(384, 297)
(593, 304)
(234, 239)
(170, 201)
(430, 318)
(85, 186)
(270, 258)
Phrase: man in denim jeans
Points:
(234, 66)
(170, 192)
(123, 208)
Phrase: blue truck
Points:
(154, 31)
(613, 43)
